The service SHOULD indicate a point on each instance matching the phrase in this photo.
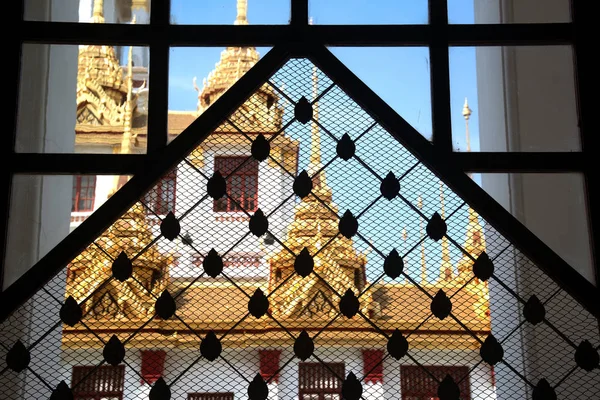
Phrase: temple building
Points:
(111, 117)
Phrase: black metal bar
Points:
(155, 166)
(100, 164)
(299, 15)
(158, 79)
(584, 75)
(519, 162)
(263, 35)
(8, 145)
(440, 163)
(440, 75)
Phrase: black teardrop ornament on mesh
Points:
(70, 312)
(436, 227)
(543, 391)
(349, 304)
(397, 345)
(114, 351)
(303, 110)
(122, 267)
(304, 263)
(212, 264)
(258, 304)
(586, 356)
(304, 346)
(491, 350)
(165, 305)
(169, 227)
(258, 389)
(345, 147)
(160, 390)
(448, 389)
(441, 306)
(390, 186)
(302, 184)
(393, 264)
(534, 311)
(210, 347)
(351, 388)
(270, 101)
(216, 187)
(18, 357)
(62, 392)
(260, 148)
(259, 224)
(348, 225)
(483, 267)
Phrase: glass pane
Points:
(512, 11)
(44, 204)
(359, 12)
(198, 76)
(400, 76)
(94, 11)
(226, 12)
(74, 99)
(553, 207)
(513, 99)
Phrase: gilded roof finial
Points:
(446, 267)
(315, 145)
(98, 15)
(242, 13)
(423, 262)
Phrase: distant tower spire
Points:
(446, 267)
(466, 112)
(98, 14)
(242, 13)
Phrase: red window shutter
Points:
(269, 364)
(153, 363)
(373, 365)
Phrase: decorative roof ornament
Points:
(101, 89)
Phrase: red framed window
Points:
(320, 382)
(210, 396)
(161, 198)
(417, 384)
(242, 184)
(98, 383)
(84, 193)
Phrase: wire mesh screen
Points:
(300, 252)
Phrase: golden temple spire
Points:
(98, 14)
(242, 13)
(423, 262)
(126, 139)
(446, 267)
(314, 164)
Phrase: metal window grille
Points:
(98, 383)
(422, 383)
(84, 192)
(242, 184)
(561, 293)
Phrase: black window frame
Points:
(438, 35)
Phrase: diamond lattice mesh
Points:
(263, 282)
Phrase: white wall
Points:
(527, 103)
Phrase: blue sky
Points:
(399, 75)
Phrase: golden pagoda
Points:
(337, 265)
